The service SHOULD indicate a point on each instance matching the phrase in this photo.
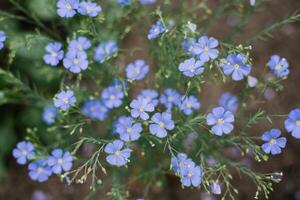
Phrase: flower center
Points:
(118, 153)
(60, 161)
(220, 121)
(65, 100)
(40, 170)
(80, 47)
(278, 67)
(272, 141)
(192, 68)
(162, 125)
(112, 97)
(24, 152)
(190, 174)
(189, 105)
(206, 49)
(129, 130)
(141, 110)
(68, 7)
(170, 98)
(236, 66)
(54, 54)
(76, 61)
(298, 122)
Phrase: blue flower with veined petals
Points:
(205, 48)
(2, 39)
(39, 170)
(140, 108)
(191, 67)
(137, 70)
(89, 8)
(220, 120)
(146, 2)
(150, 95)
(156, 29)
(229, 102)
(170, 98)
(161, 122)
(79, 44)
(112, 97)
(60, 161)
(105, 50)
(64, 100)
(76, 61)
(191, 176)
(67, 8)
(236, 66)
(188, 104)
(54, 53)
(274, 143)
(95, 109)
(124, 2)
(279, 66)
(24, 152)
(128, 130)
(117, 155)
(49, 114)
(292, 123)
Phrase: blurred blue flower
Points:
(128, 130)
(188, 45)
(181, 161)
(116, 154)
(191, 67)
(146, 2)
(24, 152)
(137, 70)
(67, 8)
(54, 53)
(119, 121)
(252, 81)
(220, 120)
(76, 61)
(279, 66)
(292, 123)
(274, 143)
(39, 170)
(2, 39)
(112, 97)
(124, 2)
(205, 48)
(60, 161)
(105, 50)
(49, 114)
(156, 29)
(140, 107)
(191, 176)
(215, 188)
(89, 8)
(150, 95)
(235, 66)
(64, 99)
(161, 122)
(79, 44)
(95, 109)
(119, 85)
(188, 104)
(170, 98)
(229, 102)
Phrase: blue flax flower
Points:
(60, 161)
(205, 48)
(95, 109)
(181, 161)
(54, 53)
(117, 155)
(150, 95)
(156, 29)
(112, 97)
(67, 8)
(170, 98)
(105, 50)
(2, 39)
(124, 2)
(128, 130)
(274, 143)
(24, 152)
(161, 122)
(49, 114)
(79, 44)
(146, 2)
(191, 67)
(292, 123)
(215, 188)
(279, 66)
(188, 45)
(236, 67)
(64, 100)
(120, 120)
(188, 104)
(140, 107)
(39, 170)
(91, 9)
(229, 102)
(191, 176)
(137, 70)
(220, 120)
(76, 61)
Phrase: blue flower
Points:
(156, 29)
(220, 120)
(79, 44)
(181, 161)
(105, 50)
(235, 65)
(140, 107)
(279, 66)
(161, 122)
(146, 2)
(274, 143)
(49, 114)
(120, 121)
(252, 81)
(91, 9)
(39, 170)
(191, 67)
(2, 39)
(76, 61)
(150, 95)
(170, 98)
(95, 109)
(24, 152)
(128, 130)
(188, 45)
(191, 176)
(124, 2)
(64, 100)
(54, 53)
(188, 104)
(137, 70)
(116, 154)
(205, 48)
(119, 85)
(112, 97)
(60, 161)
(215, 188)
(229, 102)
(292, 123)
(67, 8)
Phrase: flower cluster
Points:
(69, 8)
